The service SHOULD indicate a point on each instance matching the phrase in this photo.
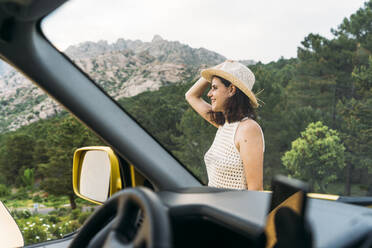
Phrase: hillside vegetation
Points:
(317, 108)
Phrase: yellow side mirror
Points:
(96, 173)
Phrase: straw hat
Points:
(236, 73)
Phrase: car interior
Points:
(142, 203)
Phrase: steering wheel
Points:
(118, 222)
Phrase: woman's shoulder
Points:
(248, 122)
(249, 125)
(249, 129)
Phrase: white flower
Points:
(25, 228)
(37, 237)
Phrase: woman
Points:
(235, 159)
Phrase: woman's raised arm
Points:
(194, 98)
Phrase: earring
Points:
(232, 90)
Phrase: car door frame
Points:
(24, 46)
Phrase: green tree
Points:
(358, 26)
(324, 74)
(28, 177)
(17, 156)
(4, 190)
(317, 156)
(159, 111)
(64, 139)
(356, 123)
(273, 114)
(195, 139)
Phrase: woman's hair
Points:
(237, 107)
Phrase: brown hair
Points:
(237, 107)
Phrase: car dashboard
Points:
(229, 218)
(206, 217)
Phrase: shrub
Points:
(75, 213)
(69, 227)
(21, 194)
(37, 198)
(83, 217)
(4, 190)
(21, 214)
(40, 228)
(34, 234)
(53, 218)
(62, 211)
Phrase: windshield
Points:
(313, 77)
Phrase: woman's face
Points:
(218, 94)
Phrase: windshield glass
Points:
(37, 142)
(313, 77)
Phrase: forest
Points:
(316, 114)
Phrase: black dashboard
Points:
(230, 217)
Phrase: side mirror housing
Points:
(96, 173)
(10, 235)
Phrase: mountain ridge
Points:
(123, 68)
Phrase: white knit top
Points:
(224, 166)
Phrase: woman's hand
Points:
(194, 98)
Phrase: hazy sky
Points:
(262, 30)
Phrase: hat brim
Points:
(209, 73)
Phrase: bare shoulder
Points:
(249, 127)
(248, 134)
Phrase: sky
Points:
(262, 30)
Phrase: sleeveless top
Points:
(225, 168)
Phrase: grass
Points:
(37, 227)
(23, 198)
(27, 203)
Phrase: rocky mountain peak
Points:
(123, 68)
(157, 38)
